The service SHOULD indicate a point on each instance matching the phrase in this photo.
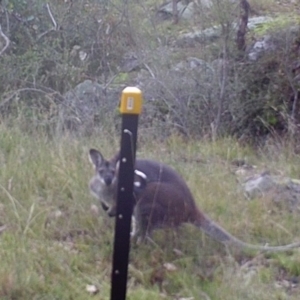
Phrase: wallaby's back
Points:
(166, 200)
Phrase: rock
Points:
(185, 10)
(188, 12)
(283, 191)
(85, 105)
(130, 63)
(269, 43)
(212, 33)
(191, 63)
(205, 3)
(202, 70)
(259, 47)
(207, 35)
(258, 21)
(258, 185)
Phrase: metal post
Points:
(130, 108)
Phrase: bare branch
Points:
(7, 21)
(7, 41)
(19, 18)
(109, 81)
(44, 90)
(55, 26)
(296, 96)
(149, 70)
(51, 16)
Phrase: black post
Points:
(130, 108)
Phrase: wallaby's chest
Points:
(102, 191)
(108, 193)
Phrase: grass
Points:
(55, 245)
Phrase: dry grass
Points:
(274, 6)
(54, 245)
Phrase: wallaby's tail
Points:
(215, 231)
(218, 233)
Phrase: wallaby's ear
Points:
(117, 165)
(116, 157)
(116, 160)
(95, 157)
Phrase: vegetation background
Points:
(54, 240)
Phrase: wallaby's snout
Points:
(108, 179)
(112, 212)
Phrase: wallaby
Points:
(104, 184)
(162, 199)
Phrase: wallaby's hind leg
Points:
(138, 233)
(143, 228)
(133, 232)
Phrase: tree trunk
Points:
(242, 30)
(175, 12)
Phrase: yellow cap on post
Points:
(131, 101)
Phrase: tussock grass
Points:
(273, 6)
(55, 245)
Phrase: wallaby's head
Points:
(103, 185)
(105, 170)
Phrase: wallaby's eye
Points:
(105, 172)
(112, 171)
